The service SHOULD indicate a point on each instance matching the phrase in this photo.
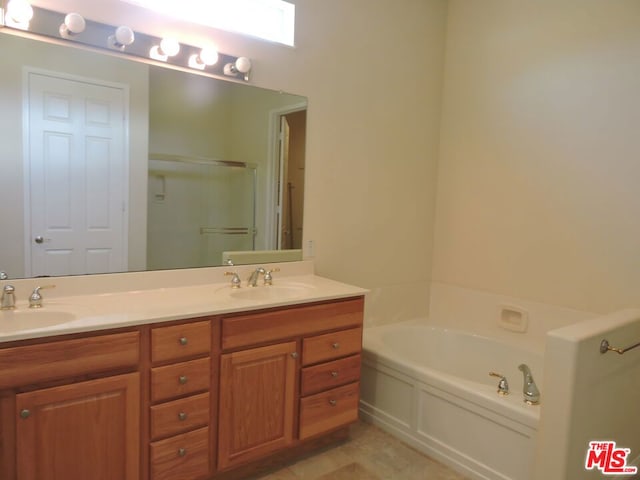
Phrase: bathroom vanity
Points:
(160, 395)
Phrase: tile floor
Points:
(370, 454)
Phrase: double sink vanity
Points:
(186, 379)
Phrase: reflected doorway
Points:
(290, 178)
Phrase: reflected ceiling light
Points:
(19, 14)
(121, 39)
(73, 24)
(208, 56)
(169, 47)
(241, 65)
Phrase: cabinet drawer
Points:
(180, 379)
(329, 375)
(180, 341)
(256, 328)
(183, 457)
(179, 416)
(66, 358)
(331, 345)
(328, 410)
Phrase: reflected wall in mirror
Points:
(112, 165)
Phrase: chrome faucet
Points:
(253, 279)
(8, 301)
(529, 389)
(503, 385)
(35, 299)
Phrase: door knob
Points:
(39, 239)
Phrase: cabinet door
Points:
(87, 430)
(257, 395)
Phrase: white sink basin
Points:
(271, 293)
(21, 319)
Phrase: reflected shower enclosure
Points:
(198, 208)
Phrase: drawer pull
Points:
(182, 416)
(334, 374)
(182, 452)
(183, 341)
(294, 355)
(335, 345)
(25, 413)
(333, 403)
(182, 379)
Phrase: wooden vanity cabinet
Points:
(71, 409)
(287, 375)
(188, 400)
(181, 412)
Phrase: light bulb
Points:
(73, 24)
(243, 64)
(207, 56)
(20, 12)
(122, 38)
(169, 47)
(124, 35)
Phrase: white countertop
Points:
(114, 308)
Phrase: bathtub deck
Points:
(370, 454)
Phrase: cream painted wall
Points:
(18, 52)
(539, 170)
(372, 71)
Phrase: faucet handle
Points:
(4, 276)
(235, 279)
(268, 278)
(503, 385)
(8, 301)
(35, 299)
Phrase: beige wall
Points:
(539, 170)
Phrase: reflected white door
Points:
(76, 178)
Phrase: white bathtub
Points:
(431, 387)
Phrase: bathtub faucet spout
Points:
(530, 390)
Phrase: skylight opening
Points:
(271, 20)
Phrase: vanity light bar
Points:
(75, 29)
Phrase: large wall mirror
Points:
(110, 164)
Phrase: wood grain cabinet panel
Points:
(325, 411)
(180, 379)
(86, 430)
(178, 342)
(329, 375)
(257, 400)
(277, 325)
(331, 345)
(61, 359)
(182, 457)
(180, 416)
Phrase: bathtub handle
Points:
(605, 347)
(503, 385)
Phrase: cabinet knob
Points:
(182, 452)
(333, 403)
(334, 374)
(183, 341)
(25, 413)
(182, 379)
(182, 416)
(294, 355)
(335, 345)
